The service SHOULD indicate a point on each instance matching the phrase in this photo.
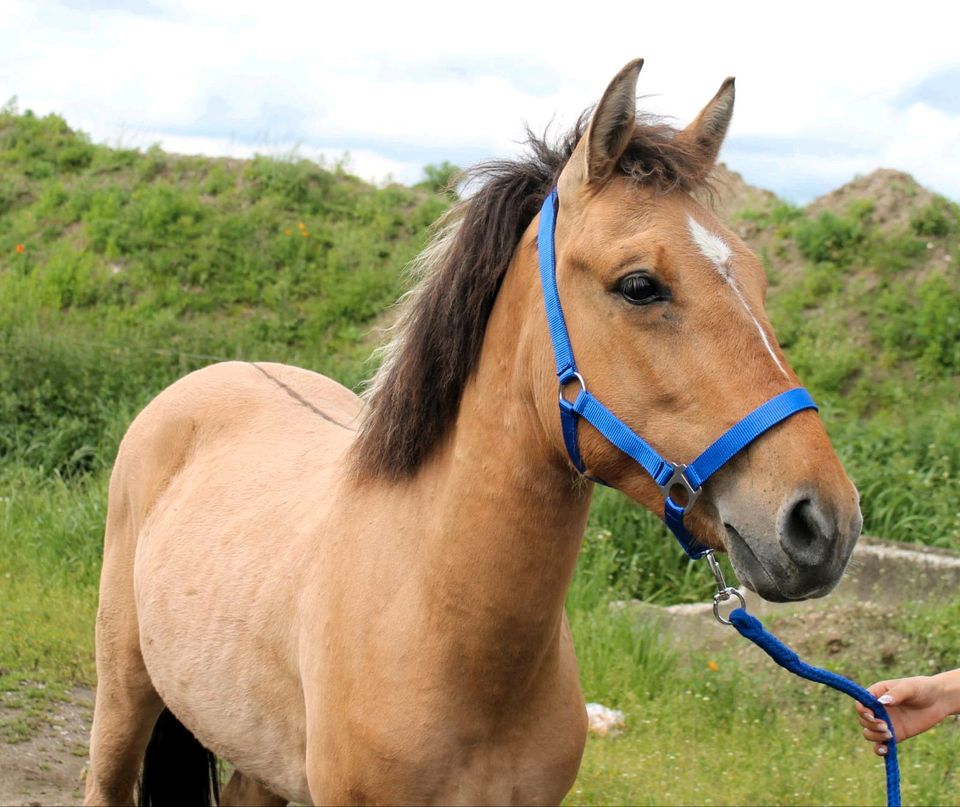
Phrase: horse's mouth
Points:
(756, 576)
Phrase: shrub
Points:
(829, 238)
(440, 177)
(939, 218)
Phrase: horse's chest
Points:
(436, 755)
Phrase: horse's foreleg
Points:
(242, 790)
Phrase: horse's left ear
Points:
(608, 135)
(613, 123)
(707, 132)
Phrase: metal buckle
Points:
(679, 478)
(578, 377)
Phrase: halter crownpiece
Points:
(665, 474)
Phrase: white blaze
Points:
(716, 250)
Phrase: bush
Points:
(937, 219)
(440, 178)
(829, 238)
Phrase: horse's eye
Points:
(639, 289)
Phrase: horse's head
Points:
(665, 309)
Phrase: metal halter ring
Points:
(678, 477)
(574, 375)
(723, 596)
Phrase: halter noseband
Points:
(667, 475)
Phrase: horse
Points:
(361, 600)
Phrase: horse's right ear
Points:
(611, 127)
(706, 134)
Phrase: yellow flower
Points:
(713, 665)
(301, 225)
(287, 231)
(304, 233)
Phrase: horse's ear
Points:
(610, 130)
(707, 132)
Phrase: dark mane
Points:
(436, 342)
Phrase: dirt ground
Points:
(47, 769)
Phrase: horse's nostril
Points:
(802, 527)
(804, 534)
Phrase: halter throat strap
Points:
(665, 474)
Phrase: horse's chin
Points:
(769, 573)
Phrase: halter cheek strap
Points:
(667, 475)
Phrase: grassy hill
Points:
(865, 297)
(122, 270)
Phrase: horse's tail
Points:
(176, 768)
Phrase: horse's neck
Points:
(501, 553)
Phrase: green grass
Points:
(710, 743)
(730, 727)
(49, 563)
(137, 267)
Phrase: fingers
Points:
(879, 688)
(877, 734)
(900, 691)
(870, 722)
(880, 750)
(875, 730)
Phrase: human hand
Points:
(914, 705)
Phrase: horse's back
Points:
(240, 412)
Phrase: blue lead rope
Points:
(751, 628)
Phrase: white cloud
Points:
(403, 84)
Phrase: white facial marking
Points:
(714, 248)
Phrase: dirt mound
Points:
(895, 196)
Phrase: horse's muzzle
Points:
(806, 561)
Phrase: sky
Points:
(825, 90)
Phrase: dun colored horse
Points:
(361, 601)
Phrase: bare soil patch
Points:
(47, 769)
(895, 195)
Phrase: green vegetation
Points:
(871, 323)
(694, 737)
(121, 270)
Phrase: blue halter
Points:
(666, 474)
(690, 477)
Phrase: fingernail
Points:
(882, 750)
(869, 715)
(885, 699)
